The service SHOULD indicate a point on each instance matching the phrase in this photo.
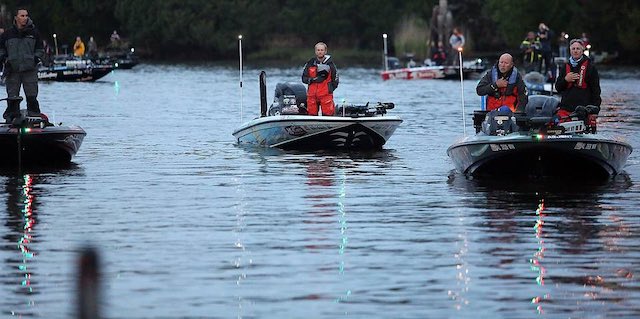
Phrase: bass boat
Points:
(287, 126)
(537, 143)
(434, 72)
(74, 70)
(32, 140)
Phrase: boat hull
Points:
(304, 132)
(526, 154)
(429, 72)
(54, 145)
(65, 74)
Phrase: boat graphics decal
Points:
(586, 146)
(502, 147)
(295, 130)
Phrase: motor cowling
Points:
(289, 99)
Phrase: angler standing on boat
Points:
(579, 83)
(321, 75)
(503, 85)
(21, 50)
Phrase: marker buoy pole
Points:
(240, 54)
(464, 122)
(385, 53)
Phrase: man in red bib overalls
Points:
(322, 76)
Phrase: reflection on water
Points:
(574, 229)
(21, 206)
(189, 224)
(537, 262)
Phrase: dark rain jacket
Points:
(585, 91)
(323, 82)
(21, 50)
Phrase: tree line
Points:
(208, 29)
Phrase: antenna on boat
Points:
(464, 122)
(384, 54)
(240, 53)
(55, 42)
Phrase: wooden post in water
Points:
(88, 284)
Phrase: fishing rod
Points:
(464, 122)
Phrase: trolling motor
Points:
(353, 110)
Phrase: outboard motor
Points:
(499, 122)
(290, 99)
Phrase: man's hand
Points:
(502, 83)
(571, 77)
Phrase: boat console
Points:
(539, 117)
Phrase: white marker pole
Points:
(384, 40)
(240, 53)
(464, 122)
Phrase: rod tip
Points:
(240, 37)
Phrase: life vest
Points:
(508, 95)
(581, 82)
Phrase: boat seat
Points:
(541, 108)
(534, 78)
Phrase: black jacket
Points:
(21, 49)
(573, 95)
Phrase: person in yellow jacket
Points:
(78, 47)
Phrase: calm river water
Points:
(190, 225)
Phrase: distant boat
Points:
(533, 144)
(33, 140)
(71, 69)
(469, 68)
(120, 59)
(287, 126)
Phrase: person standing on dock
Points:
(321, 75)
(503, 86)
(21, 50)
